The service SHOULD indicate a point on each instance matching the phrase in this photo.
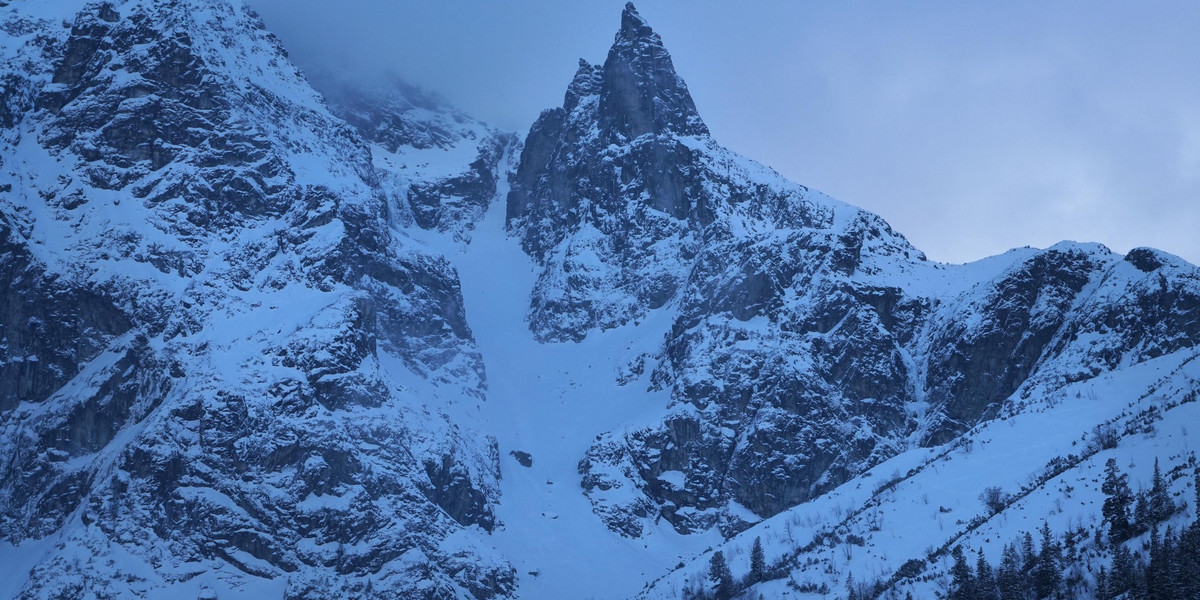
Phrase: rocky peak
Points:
(587, 82)
(641, 93)
(169, 175)
(620, 187)
(1146, 260)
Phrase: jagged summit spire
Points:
(586, 82)
(640, 92)
(634, 26)
(568, 172)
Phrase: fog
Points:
(971, 128)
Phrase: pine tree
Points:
(1196, 490)
(1189, 556)
(985, 581)
(1048, 575)
(758, 562)
(1009, 579)
(1160, 507)
(1137, 587)
(1172, 584)
(1117, 501)
(1141, 514)
(1189, 549)
(1124, 571)
(1154, 583)
(1101, 592)
(720, 577)
(963, 585)
(1028, 558)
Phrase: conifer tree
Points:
(1116, 503)
(1160, 505)
(1153, 570)
(1169, 569)
(1189, 549)
(1124, 571)
(1028, 558)
(1010, 580)
(1141, 514)
(962, 587)
(1101, 592)
(1196, 491)
(985, 580)
(1189, 556)
(720, 577)
(758, 562)
(1047, 575)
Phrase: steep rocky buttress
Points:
(217, 352)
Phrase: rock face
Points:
(49, 329)
(810, 340)
(217, 353)
(634, 117)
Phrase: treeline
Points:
(1167, 568)
(1046, 566)
(721, 584)
(1171, 573)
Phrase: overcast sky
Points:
(971, 127)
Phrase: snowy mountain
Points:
(222, 366)
(809, 341)
(268, 334)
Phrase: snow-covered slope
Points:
(892, 528)
(258, 340)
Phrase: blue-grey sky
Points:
(971, 127)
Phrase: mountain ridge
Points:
(243, 350)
